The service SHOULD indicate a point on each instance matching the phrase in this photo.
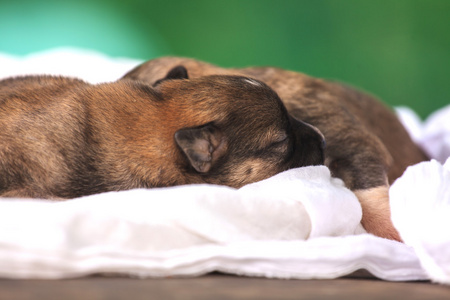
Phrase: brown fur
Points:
(63, 138)
(367, 146)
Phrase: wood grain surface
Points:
(217, 287)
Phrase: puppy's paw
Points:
(376, 211)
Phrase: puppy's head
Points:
(233, 130)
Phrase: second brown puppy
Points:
(367, 146)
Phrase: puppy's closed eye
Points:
(281, 139)
(280, 142)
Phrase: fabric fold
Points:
(420, 204)
(128, 224)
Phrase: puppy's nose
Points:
(323, 144)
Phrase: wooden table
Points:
(217, 287)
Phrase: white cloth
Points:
(298, 224)
(88, 65)
(433, 135)
(420, 204)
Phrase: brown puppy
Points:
(367, 147)
(63, 138)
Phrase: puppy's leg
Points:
(376, 212)
(361, 160)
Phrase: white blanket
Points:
(298, 224)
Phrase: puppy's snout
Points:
(309, 145)
(323, 143)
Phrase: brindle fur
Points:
(367, 146)
(64, 138)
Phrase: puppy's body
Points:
(367, 146)
(63, 138)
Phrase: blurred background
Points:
(397, 50)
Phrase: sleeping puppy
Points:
(367, 147)
(64, 138)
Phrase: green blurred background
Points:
(395, 49)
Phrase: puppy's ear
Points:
(203, 146)
(178, 72)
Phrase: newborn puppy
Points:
(64, 138)
(367, 147)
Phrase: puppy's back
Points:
(39, 121)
